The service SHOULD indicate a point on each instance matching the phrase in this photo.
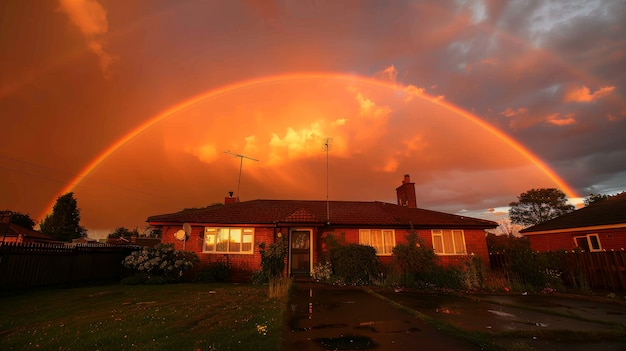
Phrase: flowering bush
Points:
(161, 263)
(322, 271)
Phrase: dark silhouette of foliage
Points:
(592, 198)
(272, 261)
(122, 232)
(64, 222)
(17, 218)
(355, 264)
(539, 205)
(501, 243)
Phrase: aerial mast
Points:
(327, 145)
(241, 157)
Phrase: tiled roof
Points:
(346, 213)
(611, 211)
(14, 230)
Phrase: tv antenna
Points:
(327, 145)
(241, 157)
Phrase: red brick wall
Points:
(610, 239)
(475, 243)
(247, 263)
(242, 265)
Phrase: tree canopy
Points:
(64, 222)
(539, 205)
(122, 232)
(23, 220)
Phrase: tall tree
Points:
(539, 205)
(23, 220)
(64, 222)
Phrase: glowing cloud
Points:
(557, 120)
(91, 19)
(205, 153)
(304, 142)
(363, 123)
(388, 74)
(509, 112)
(583, 94)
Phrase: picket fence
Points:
(27, 265)
(604, 270)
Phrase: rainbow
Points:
(296, 76)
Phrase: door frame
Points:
(310, 230)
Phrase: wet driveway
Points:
(338, 318)
(331, 318)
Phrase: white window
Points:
(383, 240)
(588, 243)
(228, 240)
(449, 242)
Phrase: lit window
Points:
(588, 243)
(382, 240)
(228, 240)
(449, 242)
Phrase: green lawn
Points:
(143, 317)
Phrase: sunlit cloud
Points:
(489, 61)
(206, 153)
(339, 122)
(295, 144)
(415, 144)
(509, 112)
(557, 120)
(388, 74)
(91, 19)
(583, 94)
(614, 118)
(390, 166)
(369, 109)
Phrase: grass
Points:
(143, 317)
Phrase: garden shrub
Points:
(530, 270)
(272, 261)
(473, 273)
(413, 259)
(354, 264)
(159, 264)
(214, 272)
(322, 272)
(439, 277)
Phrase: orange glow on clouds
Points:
(377, 127)
(583, 94)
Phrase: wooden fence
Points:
(24, 265)
(605, 270)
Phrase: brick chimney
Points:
(406, 193)
(230, 199)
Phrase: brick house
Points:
(597, 227)
(234, 231)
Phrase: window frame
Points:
(363, 233)
(439, 242)
(245, 236)
(589, 242)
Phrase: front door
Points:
(300, 252)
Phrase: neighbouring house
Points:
(13, 233)
(597, 227)
(234, 231)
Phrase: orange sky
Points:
(471, 100)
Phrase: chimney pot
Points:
(406, 193)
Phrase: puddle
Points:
(507, 313)
(348, 342)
